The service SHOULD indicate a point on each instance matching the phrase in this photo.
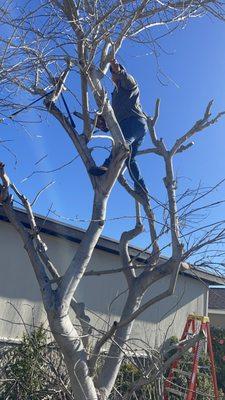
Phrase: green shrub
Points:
(128, 375)
(218, 341)
(33, 370)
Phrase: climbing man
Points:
(132, 121)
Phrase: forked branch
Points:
(200, 125)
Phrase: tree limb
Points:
(201, 124)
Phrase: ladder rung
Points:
(174, 391)
(180, 371)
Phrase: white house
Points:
(103, 295)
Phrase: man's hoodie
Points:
(126, 97)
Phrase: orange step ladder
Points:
(195, 324)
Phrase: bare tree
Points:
(47, 44)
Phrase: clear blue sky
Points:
(194, 61)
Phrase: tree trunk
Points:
(75, 356)
(114, 358)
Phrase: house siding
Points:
(104, 295)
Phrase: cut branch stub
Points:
(4, 187)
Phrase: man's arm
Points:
(127, 81)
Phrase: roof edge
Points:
(69, 232)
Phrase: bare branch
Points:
(4, 187)
(73, 134)
(27, 237)
(153, 373)
(174, 268)
(148, 151)
(200, 125)
(185, 147)
(149, 213)
(124, 249)
(98, 346)
(60, 82)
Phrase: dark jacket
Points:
(125, 97)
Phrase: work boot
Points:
(98, 171)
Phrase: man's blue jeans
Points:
(134, 130)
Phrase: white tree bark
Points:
(111, 367)
(30, 58)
